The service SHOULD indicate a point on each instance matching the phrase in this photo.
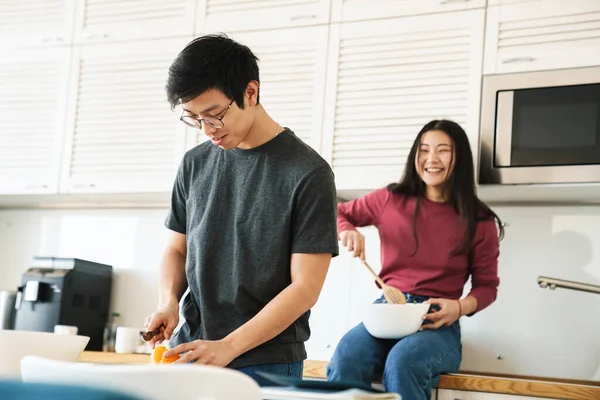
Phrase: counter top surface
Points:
(469, 381)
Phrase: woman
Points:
(434, 233)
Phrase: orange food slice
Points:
(158, 356)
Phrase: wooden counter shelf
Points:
(469, 381)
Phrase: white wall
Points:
(130, 240)
(537, 332)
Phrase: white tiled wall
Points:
(535, 331)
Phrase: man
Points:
(253, 221)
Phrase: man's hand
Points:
(205, 352)
(164, 320)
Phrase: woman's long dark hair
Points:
(460, 187)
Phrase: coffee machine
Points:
(65, 291)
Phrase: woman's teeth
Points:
(434, 170)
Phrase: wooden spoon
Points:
(390, 293)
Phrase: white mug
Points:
(127, 339)
(65, 330)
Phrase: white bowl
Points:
(17, 344)
(393, 321)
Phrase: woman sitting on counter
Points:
(435, 233)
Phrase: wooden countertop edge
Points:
(524, 386)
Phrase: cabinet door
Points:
(388, 78)
(119, 20)
(123, 135)
(36, 23)
(33, 84)
(292, 66)
(360, 10)
(499, 2)
(541, 35)
(447, 394)
(244, 15)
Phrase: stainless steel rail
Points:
(553, 283)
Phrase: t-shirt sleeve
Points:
(314, 214)
(176, 218)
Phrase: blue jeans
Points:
(411, 366)
(292, 370)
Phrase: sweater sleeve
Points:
(484, 264)
(364, 211)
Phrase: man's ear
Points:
(252, 93)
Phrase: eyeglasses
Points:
(212, 120)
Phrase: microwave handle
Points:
(19, 297)
(504, 122)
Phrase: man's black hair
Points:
(211, 62)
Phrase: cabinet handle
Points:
(518, 59)
(84, 186)
(95, 36)
(56, 39)
(301, 17)
(36, 186)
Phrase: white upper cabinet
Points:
(120, 20)
(244, 15)
(123, 136)
(36, 23)
(32, 105)
(387, 79)
(360, 10)
(542, 35)
(292, 77)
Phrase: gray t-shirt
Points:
(245, 212)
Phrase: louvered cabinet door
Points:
(388, 78)
(123, 138)
(120, 20)
(36, 22)
(32, 106)
(244, 15)
(292, 66)
(360, 10)
(542, 35)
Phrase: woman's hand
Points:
(354, 242)
(450, 311)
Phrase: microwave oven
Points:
(540, 127)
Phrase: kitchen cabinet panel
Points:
(121, 20)
(27, 23)
(388, 78)
(123, 136)
(292, 77)
(32, 105)
(541, 35)
(447, 394)
(360, 10)
(329, 318)
(245, 15)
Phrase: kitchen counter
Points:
(470, 381)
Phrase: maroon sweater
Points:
(433, 270)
